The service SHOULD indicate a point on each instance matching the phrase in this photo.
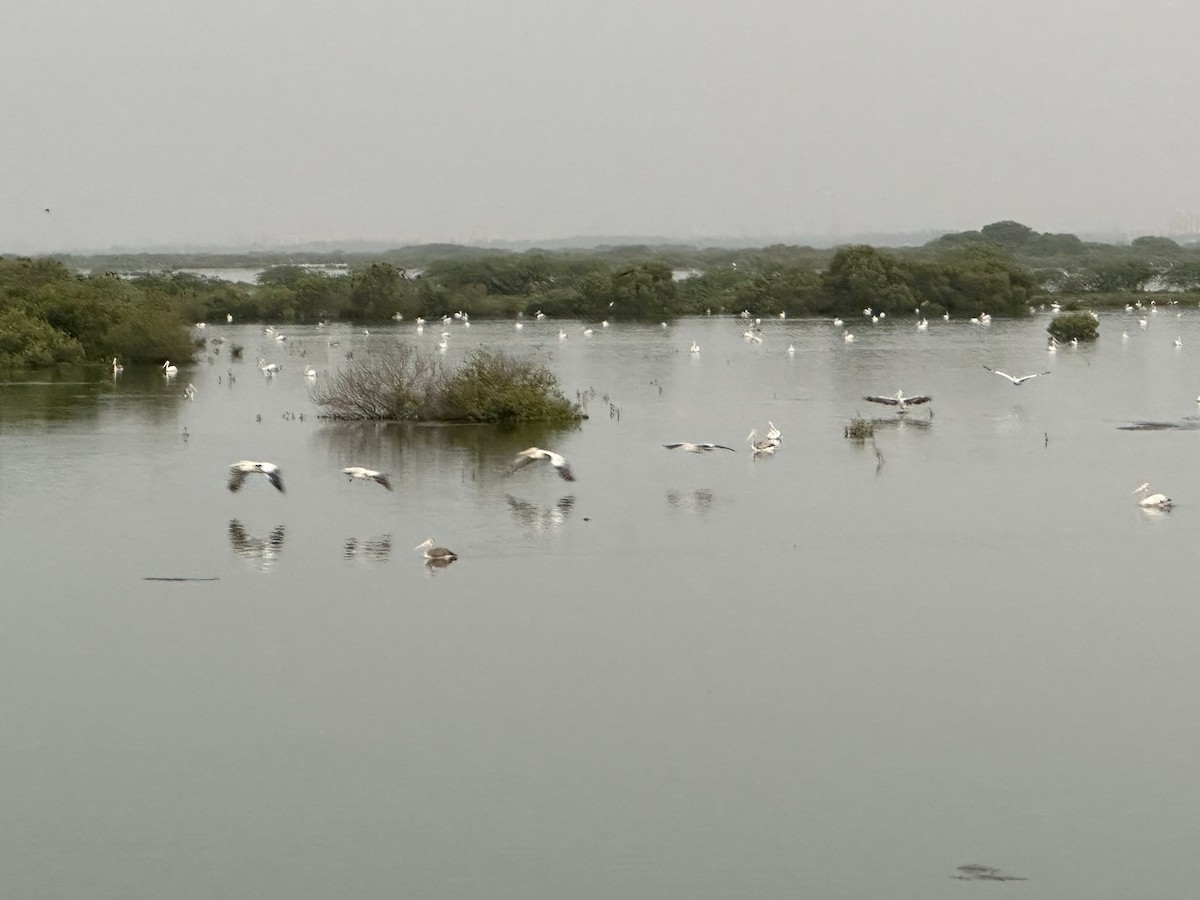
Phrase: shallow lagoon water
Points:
(828, 673)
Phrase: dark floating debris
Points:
(976, 872)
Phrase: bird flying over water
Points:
(358, 472)
(1016, 379)
(899, 400)
(697, 448)
(240, 469)
(525, 457)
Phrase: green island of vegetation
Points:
(140, 309)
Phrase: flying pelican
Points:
(190, 391)
(1151, 501)
(525, 457)
(697, 448)
(898, 399)
(436, 553)
(367, 475)
(1016, 379)
(240, 469)
(168, 369)
(695, 347)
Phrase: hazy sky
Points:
(151, 123)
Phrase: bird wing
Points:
(524, 458)
(890, 401)
(676, 445)
(275, 479)
(237, 477)
(564, 471)
(717, 447)
(382, 479)
(1003, 375)
(913, 401)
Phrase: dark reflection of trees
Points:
(480, 452)
(541, 519)
(374, 549)
(698, 501)
(264, 551)
(85, 393)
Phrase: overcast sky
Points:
(154, 123)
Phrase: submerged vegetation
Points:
(405, 384)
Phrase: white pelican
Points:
(117, 367)
(1124, 335)
(1151, 501)
(783, 315)
(436, 553)
(539, 315)
(697, 448)
(764, 446)
(268, 368)
(695, 347)
(310, 372)
(946, 317)
(200, 324)
(847, 337)
(562, 335)
(1179, 341)
(838, 323)
(773, 433)
(358, 472)
(1051, 345)
(240, 469)
(168, 369)
(229, 318)
(518, 325)
(1142, 323)
(922, 325)
(525, 457)
(898, 399)
(190, 391)
(420, 320)
(791, 350)
(604, 324)
(587, 331)
(1016, 379)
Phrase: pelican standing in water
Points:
(436, 554)
(168, 369)
(697, 448)
(1151, 501)
(1016, 379)
(361, 474)
(525, 457)
(899, 400)
(117, 367)
(240, 469)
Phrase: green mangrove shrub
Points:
(405, 384)
(1068, 326)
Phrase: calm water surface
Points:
(831, 673)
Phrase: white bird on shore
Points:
(525, 457)
(899, 400)
(436, 554)
(1151, 501)
(240, 469)
(1016, 379)
(697, 448)
(361, 474)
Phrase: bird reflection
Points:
(697, 501)
(375, 549)
(541, 518)
(438, 562)
(264, 551)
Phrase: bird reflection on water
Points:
(264, 551)
(541, 519)
(374, 549)
(699, 500)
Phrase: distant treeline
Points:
(140, 310)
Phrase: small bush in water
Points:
(1080, 326)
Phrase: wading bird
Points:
(525, 457)
(1015, 379)
(899, 400)
(697, 448)
(240, 469)
(361, 474)
(168, 369)
(436, 553)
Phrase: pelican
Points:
(847, 337)
(240, 469)
(539, 315)
(1016, 379)
(587, 332)
(190, 391)
(764, 446)
(310, 372)
(436, 553)
(899, 400)
(367, 475)
(525, 457)
(695, 347)
(773, 433)
(922, 325)
(1051, 345)
(518, 326)
(697, 448)
(1151, 501)
(268, 368)
(229, 318)
(169, 369)
(1179, 341)
(117, 367)
(838, 323)
(791, 350)
(562, 335)
(946, 317)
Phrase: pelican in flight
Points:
(168, 369)
(240, 469)
(1151, 501)
(1016, 379)
(436, 553)
(525, 457)
(697, 448)
(899, 400)
(358, 472)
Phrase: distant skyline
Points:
(267, 123)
